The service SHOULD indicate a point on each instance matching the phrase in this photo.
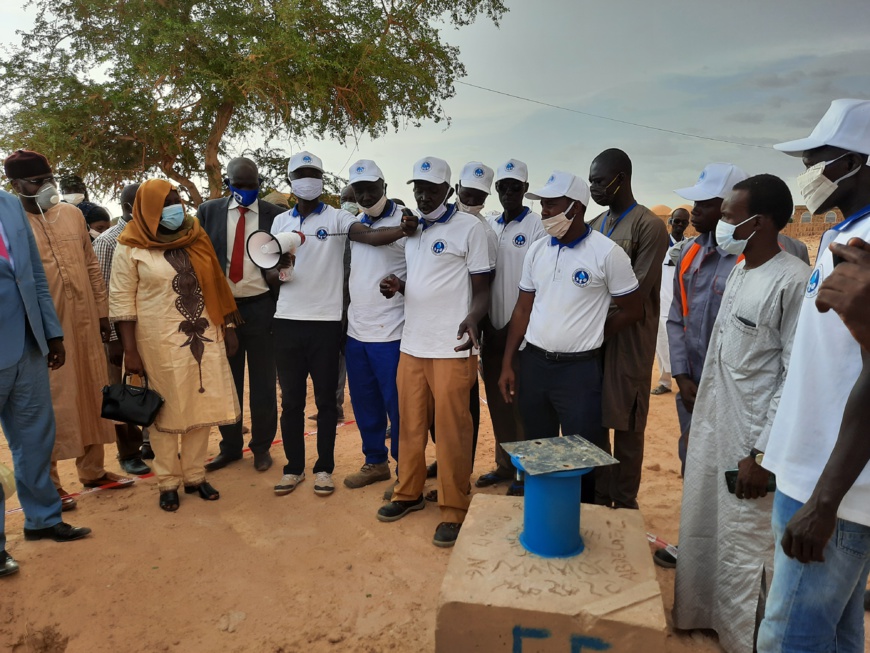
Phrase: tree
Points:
(114, 90)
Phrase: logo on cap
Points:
(321, 234)
(360, 168)
(519, 240)
(425, 166)
(478, 172)
(306, 159)
(813, 285)
(580, 278)
(438, 247)
(509, 166)
(551, 179)
(703, 175)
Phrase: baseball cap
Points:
(478, 176)
(304, 159)
(431, 169)
(846, 125)
(365, 170)
(715, 180)
(562, 184)
(513, 169)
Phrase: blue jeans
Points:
(817, 607)
(371, 377)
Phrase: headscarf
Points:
(142, 232)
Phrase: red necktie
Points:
(238, 248)
(4, 253)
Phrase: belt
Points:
(563, 356)
(241, 301)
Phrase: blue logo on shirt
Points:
(425, 166)
(580, 278)
(321, 234)
(519, 240)
(509, 167)
(439, 247)
(478, 172)
(814, 282)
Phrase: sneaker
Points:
(395, 510)
(323, 484)
(369, 474)
(446, 534)
(288, 483)
(663, 558)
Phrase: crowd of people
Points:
(560, 313)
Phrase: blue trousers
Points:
(27, 419)
(371, 376)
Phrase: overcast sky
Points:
(753, 71)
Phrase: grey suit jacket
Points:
(28, 281)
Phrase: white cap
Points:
(563, 184)
(477, 176)
(845, 125)
(513, 169)
(431, 169)
(715, 180)
(365, 170)
(304, 159)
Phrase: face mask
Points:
(46, 197)
(244, 197)
(350, 207)
(435, 215)
(94, 233)
(172, 217)
(473, 209)
(377, 208)
(307, 188)
(815, 188)
(558, 225)
(725, 236)
(74, 198)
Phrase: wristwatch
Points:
(758, 455)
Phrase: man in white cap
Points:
(307, 326)
(516, 229)
(568, 283)
(374, 327)
(446, 296)
(818, 446)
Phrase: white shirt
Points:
(825, 363)
(514, 240)
(371, 317)
(573, 286)
(668, 271)
(441, 259)
(252, 282)
(316, 291)
(491, 241)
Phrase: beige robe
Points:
(165, 301)
(79, 295)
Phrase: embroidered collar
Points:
(388, 211)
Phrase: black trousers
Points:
(566, 394)
(304, 348)
(255, 346)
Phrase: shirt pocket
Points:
(739, 342)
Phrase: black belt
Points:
(241, 301)
(563, 356)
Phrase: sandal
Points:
(109, 481)
(169, 500)
(205, 491)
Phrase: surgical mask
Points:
(557, 226)
(377, 208)
(244, 197)
(434, 215)
(473, 209)
(94, 233)
(74, 198)
(725, 236)
(350, 207)
(46, 197)
(307, 188)
(815, 188)
(172, 217)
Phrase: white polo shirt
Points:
(252, 282)
(441, 259)
(825, 363)
(317, 289)
(573, 285)
(491, 241)
(371, 317)
(514, 240)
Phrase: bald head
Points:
(347, 194)
(614, 160)
(610, 178)
(242, 173)
(128, 195)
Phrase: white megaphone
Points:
(265, 250)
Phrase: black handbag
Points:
(129, 403)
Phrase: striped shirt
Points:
(104, 248)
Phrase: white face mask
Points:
(94, 233)
(307, 188)
(815, 188)
(350, 207)
(558, 225)
(377, 208)
(74, 198)
(725, 236)
(435, 215)
(474, 209)
(46, 197)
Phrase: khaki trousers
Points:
(90, 466)
(171, 470)
(436, 388)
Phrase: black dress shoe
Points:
(220, 461)
(135, 466)
(8, 566)
(397, 509)
(262, 461)
(146, 451)
(61, 532)
(491, 478)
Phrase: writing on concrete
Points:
(578, 643)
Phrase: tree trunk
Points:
(195, 196)
(212, 148)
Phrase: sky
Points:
(756, 72)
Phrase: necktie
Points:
(4, 253)
(238, 248)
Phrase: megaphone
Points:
(265, 249)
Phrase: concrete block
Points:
(496, 596)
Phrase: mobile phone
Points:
(731, 481)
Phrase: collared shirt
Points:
(252, 282)
(514, 240)
(104, 248)
(573, 286)
(316, 291)
(6, 242)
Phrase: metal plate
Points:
(564, 454)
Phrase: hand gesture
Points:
(409, 222)
(469, 328)
(389, 286)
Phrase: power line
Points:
(623, 122)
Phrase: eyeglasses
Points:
(41, 180)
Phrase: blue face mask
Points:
(172, 217)
(244, 197)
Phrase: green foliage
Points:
(116, 90)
